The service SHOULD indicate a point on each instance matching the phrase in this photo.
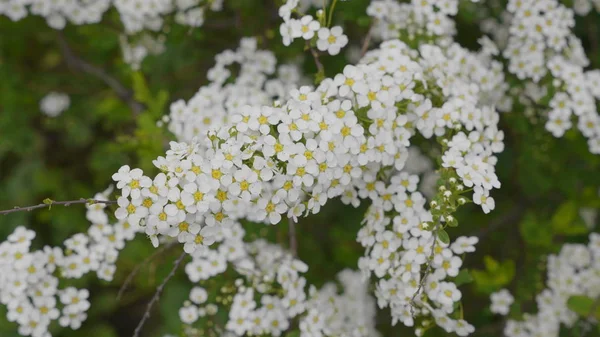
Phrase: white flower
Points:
(305, 27)
(198, 295)
(54, 103)
(448, 294)
(331, 40)
(464, 244)
(501, 302)
(188, 314)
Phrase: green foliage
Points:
(495, 276)
(443, 236)
(566, 220)
(584, 306)
(463, 277)
(533, 231)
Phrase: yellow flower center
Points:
(184, 226)
(130, 209)
(345, 131)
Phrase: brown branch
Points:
(75, 62)
(137, 268)
(427, 270)
(366, 42)
(48, 203)
(157, 294)
(315, 55)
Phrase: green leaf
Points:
(566, 220)
(463, 277)
(364, 21)
(495, 276)
(490, 264)
(140, 88)
(584, 306)
(443, 236)
(535, 232)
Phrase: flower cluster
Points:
(269, 276)
(331, 40)
(29, 284)
(574, 271)
(134, 52)
(414, 21)
(135, 15)
(584, 7)
(348, 138)
(350, 313)
(54, 103)
(501, 302)
(537, 40)
(254, 84)
(271, 292)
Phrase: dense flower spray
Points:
(268, 147)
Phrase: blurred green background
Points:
(545, 181)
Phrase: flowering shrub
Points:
(382, 122)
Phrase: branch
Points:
(320, 68)
(366, 42)
(137, 268)
(49, 202)
(75, 62)
(292, 235)
(157, 294)
(427, 271)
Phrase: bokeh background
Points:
(545, 181)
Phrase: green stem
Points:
(331, 13)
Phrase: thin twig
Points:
(292, 235)
(315, 55)
(157, 294)
(427, 271)
(48, 203)
(366, 42)
(75, 62)
(137, 268)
